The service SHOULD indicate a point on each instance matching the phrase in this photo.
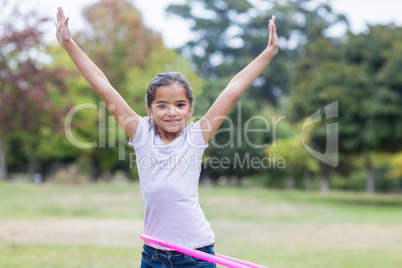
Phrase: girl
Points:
(169, 153)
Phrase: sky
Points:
(175, 32)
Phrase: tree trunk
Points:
(95, 171)
(400, 186)
(239, 181)
(3, 158)
(370, 184)
(32, 166)
(308, 182)
(43, 170)
(290, 182)
(324, 182)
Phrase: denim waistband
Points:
(166, 253)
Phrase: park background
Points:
(304, 214)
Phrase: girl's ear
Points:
(149, 111)
(190, 112)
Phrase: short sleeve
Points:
(195, 137)
(141, 133)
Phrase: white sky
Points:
(175, 32)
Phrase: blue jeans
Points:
(156, 258)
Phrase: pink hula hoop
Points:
(217, 258)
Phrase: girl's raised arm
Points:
(118, 107)
(211, 121)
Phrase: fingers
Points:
(60, 15)
(271, 24)
(61, 18)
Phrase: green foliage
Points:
(359, 73)
(235, 143)
(353, 73)
(32, 94)
(297, 158)
(311, 70)
(232, 33)
(130, 55)
(396, 166)
(118, 42)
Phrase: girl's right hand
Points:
(273, 37)
(62, 33)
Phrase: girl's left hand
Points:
(273, 37)
(62, 33)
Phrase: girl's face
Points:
(170, 109)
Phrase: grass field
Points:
(98, 226)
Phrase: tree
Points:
(396, 166)
(238, 141)
(299, 163)
(26, 84)
(361, 74)
(130, 54)
(232, 33)
(214, 26)
(117, 39)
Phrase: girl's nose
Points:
(172, 110)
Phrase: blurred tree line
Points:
(266, 135)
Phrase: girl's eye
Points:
(162, 106)
(181, 105)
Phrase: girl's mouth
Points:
(172, 121)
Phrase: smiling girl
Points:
(163, 143)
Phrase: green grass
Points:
(33, 255)
(60, 201)
(272, 228)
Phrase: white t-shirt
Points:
(169, 175)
